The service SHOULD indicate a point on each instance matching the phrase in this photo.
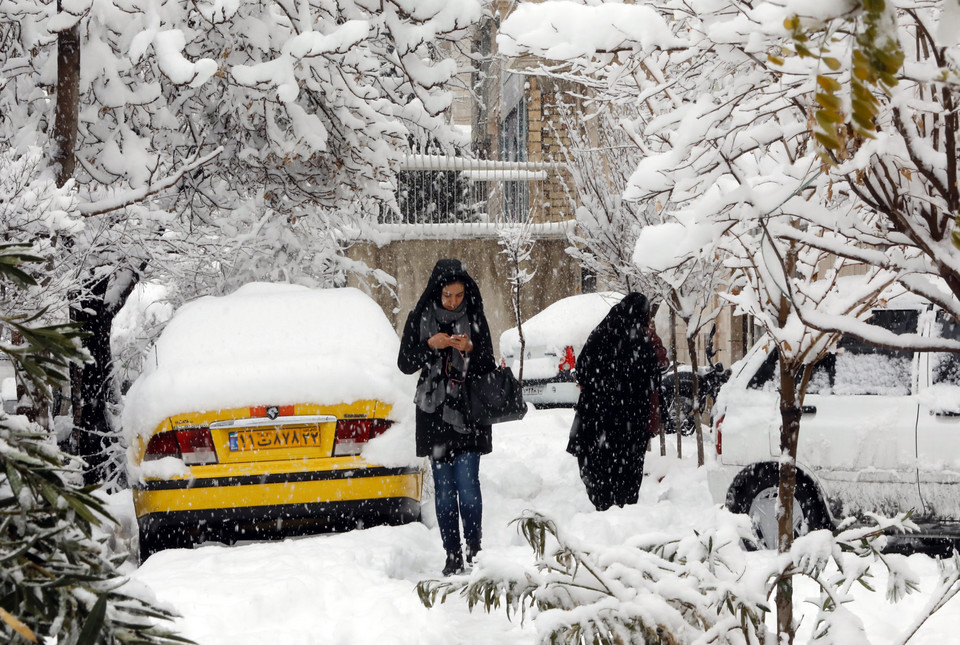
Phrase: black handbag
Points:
(495, 397)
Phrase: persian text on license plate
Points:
(532, 390)
(274, 438)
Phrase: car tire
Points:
(754, 493)
(166, 538)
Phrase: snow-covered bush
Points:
(58, 578)
(695, 588)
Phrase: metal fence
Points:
(437, 189)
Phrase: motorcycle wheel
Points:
(686, 415)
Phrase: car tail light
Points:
(353, 433)
(569, 359)
(719, 442)
(194, 446)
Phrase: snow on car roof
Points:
(268, 344)
(567, 321)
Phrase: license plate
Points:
(532, 390)
(275, 438)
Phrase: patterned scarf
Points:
(445, 375)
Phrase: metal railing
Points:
(438, 189)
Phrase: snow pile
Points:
(568, 321)
(565, 30)
(268, 344)
(322, 589)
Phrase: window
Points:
(856, 367)
(945, 366)
(513, 147)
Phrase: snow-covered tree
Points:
(516, 242)
(59, 582)
(599, 156)
(734, 110)
(210, 143)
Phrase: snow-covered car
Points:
(880, 433)
(554, 338)
(253, 417)
(8, 387)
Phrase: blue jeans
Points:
(457, 496)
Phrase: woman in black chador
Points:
(616, 372)
(446, 338)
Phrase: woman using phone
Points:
(446, 337)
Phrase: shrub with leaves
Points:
(58, 580)
(700, 588)
(649, 590)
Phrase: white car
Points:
(880, 433)
(554, 338)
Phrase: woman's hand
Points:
(460, 342)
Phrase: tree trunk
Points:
(92, 383)
(523, 340)
(695, 384)
(68, 102)
(676, 383)
(664, 412)
(789, 434)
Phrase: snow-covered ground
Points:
(359, 587)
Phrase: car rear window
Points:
(856, 367)
(945, 366)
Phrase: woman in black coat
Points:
(616, 371)
(446, 337)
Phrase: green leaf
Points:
(82, 509)
(828, 83)
(94, 623)
(830, 102)
(828, 121)
(828, 141)
(16, 482)
(832, 63)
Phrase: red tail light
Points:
(194, 446)
(353, 433)
(719, 436)
(569, 359)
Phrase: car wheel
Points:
(166, 538)
(755, 492)
(149, 544)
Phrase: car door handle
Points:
(946, 413)
(808, 409)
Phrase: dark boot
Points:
(454, 563)
(472, 551)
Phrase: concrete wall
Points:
(410, 261)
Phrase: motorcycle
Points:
(710, 380)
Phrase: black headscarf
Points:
(616, 370)
(443, 372)
(446, 272)
(616, 350)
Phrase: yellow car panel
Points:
(263, 465)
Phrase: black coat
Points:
(616, 371)
(435, 437)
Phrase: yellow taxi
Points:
(219, 471)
